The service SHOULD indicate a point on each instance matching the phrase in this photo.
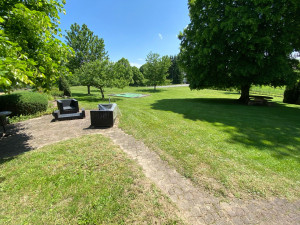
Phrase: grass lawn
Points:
(229, 149)
(86, 180)
(267, 90)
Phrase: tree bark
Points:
(102, 92)
(245, 89)
(89, 89)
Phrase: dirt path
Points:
(196, 206)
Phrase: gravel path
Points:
(196, 206)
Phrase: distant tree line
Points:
(90, 65)
(241, 43)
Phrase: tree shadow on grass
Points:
(268, 128)
(94, 98)
(14, 144)
(151, 90)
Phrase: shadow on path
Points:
(14, 144)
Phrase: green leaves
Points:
(175, 72)
(86, 45)
(102, 74)
(156, 68)
(30, 53)
(236, 43)
(122, 73)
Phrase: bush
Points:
(55, 92)
(292, 94)
(24, 103)
(64, 86)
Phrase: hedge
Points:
(55, 92)
(23, 103)
(292, 94)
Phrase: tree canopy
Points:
(122, 73)
(29, 52)
(156, 69)
(103, 74)
(237, 44)
(138, 77)
(86, 45)
(96, 73)
(175, 72)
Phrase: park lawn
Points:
(227, 148)
(86, 180)
(267, 90)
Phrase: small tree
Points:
(122, 73)
(103, 74)
(142, 69)
(292, 94)
(96, 73)
(87, 46)
(138, 77)
(64, 86)
(292, 91)
(175, 73)
(156, 69)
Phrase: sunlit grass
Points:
(223, 146)
(85, 180)
(267, 90)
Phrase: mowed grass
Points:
(227, 148)
(267, 90)
(85, 180)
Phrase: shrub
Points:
(55, 92)
(64, 86)
(24, 103)
(292, 94)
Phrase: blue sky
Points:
(131, 28)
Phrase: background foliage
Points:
(29, 52)
(24, 103)
(156, 69)
(240, 43)
(175, 72)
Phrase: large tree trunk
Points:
(245, 89)
(102, 92)
(89, 89)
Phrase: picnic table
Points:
(3, 119)
(259, 100)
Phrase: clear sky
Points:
(131, 28)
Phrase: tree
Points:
(103, 74)
(156, 69)
(88, 47)
(64, 86)
(175, 73)
(122, 73)
(237, 44)
(292, 94)
(30, 54)
(96, 73)
(142, 69)
(292, 91)
(138, 77)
